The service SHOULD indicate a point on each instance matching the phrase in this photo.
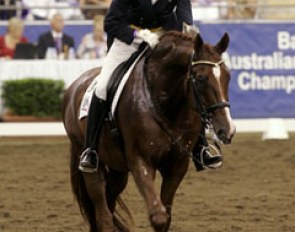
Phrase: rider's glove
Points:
(147, 36)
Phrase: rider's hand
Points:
(147, 36)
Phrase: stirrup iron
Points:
(200, 165)
(88, 170)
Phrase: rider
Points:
(128, 24)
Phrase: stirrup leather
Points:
(88, 170)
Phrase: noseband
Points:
(205, 112)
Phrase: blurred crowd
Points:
(45, 9)
(203, 9)
(55, 44)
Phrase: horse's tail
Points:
(79, 189)
(123, 220)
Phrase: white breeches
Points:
(118, 53)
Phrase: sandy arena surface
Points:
(254, 191)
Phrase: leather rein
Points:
(205, 111)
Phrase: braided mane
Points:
(176, 36)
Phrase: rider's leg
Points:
(118, 53)
(96, 116)
(202, 157)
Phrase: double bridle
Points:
(205, 111)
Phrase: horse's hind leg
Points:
(96, 189)
(172, 176)
(144, 175)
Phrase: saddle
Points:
(116, 84)
(120, 72)
(113, 85)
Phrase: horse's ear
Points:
(198, 47)
(222, 45)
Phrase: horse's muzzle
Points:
(225, 137)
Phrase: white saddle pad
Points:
(86, 101)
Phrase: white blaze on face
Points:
(217, 72)
(232, 127)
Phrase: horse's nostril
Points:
(221, 134)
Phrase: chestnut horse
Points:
(172, 93)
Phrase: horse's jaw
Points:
(223, 125)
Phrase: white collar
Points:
(154, 1)
(56, 34)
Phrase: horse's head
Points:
(179, 56)
(210, 82)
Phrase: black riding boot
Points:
(95, 119)
(202, 157)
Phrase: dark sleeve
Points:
(70, 41)
(41, 48)
(116, 22)
(184, 13)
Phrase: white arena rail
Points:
(32, 129)
(271, 128)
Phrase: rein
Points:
(164, 122)
(205, 112)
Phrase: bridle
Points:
(204, 111)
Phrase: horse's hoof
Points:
(159, 220)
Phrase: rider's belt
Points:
(157, 29)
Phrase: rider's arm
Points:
(116, 22)
(184, 13)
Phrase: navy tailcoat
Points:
(168, 14)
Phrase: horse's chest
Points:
(156, 145)
(162, 145)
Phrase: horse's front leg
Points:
(96, 189)
(172, 175)
(144, 175)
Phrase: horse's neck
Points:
(171, 98)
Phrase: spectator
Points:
(68, 8)
(55, 39)
(242, 9)
(7, 14)
(13, 36)
(39, 13)
(93, 44)
(71, 11)
(91, 13)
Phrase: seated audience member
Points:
(91, 13)
(242, 9)
(68, 8)
(93, 44)
(55, 39)
(71, 9)
(39, 13)
(13, 36)
(7, 14)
